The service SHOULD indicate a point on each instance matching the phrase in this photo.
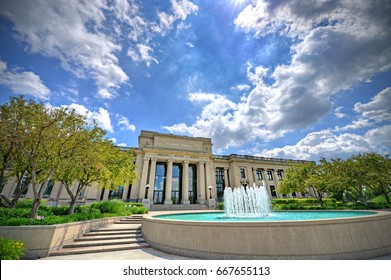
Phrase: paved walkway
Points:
(138, 254)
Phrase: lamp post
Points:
(147, 191)
(210, 192)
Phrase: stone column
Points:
(266, 180)
(255, 176)
(226, 181)
(152, 178)
(143, 179)
(201, 182)
(185, 182)
(208, 179)
(167, 199)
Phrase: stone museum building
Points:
(177, 172)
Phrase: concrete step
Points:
(114, 237)
(125, 234)
(111, 233)
(128, 222)
(94, 243)
(99, 249)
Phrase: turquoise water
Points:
(274, 216)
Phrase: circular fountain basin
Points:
(274, 216)
(346, 235)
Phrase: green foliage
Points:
(132, 204)
(329, 204)
(110, 206)
(220, 206)
(136, 208)
(10, 249)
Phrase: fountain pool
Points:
(273, 216)
(249, 230)
(365, 235)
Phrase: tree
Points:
(12, 163)
(43, 137)
(379, 174)
(98, 162)
(334, 178)
(307, 179)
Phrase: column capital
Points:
(184, 162)
(154, 159)
(201, 162)
(147, 158)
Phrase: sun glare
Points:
(239, 3)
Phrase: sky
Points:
(286, 79)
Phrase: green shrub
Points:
(110, 206)
(329, 200)
(220, 206)
(138, 210)
(131, 204)
(60, 210)
(10, 249)
(25, 203)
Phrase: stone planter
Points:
(40, 241)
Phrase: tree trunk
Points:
(321, 201)
(72, 205)
(362, 194)
(34, 209)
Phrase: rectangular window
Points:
(22, 186)
(192, 183)
(176, 191)
(242, 173)
(279, 175)
(258, 174)
(114, 194)
(273, 191)
(3, 185)
(269, 175)
(160, 183)
(220, 183)
(48, 189)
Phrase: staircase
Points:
(124, 234)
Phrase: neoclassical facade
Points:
(178, 172)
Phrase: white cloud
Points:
(72, 33)
(378, 109)
(329, 145)
(142, 53)
(180, 10)
(102, 116)
(190, 45)
(23, 82)
(124, 124)
(122, 145)
(338, 114)
(242, 87)
(335, 46)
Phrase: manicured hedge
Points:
(59, 215)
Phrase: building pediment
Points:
(159, 141)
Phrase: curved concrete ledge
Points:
(363, 237)
(40, 241)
